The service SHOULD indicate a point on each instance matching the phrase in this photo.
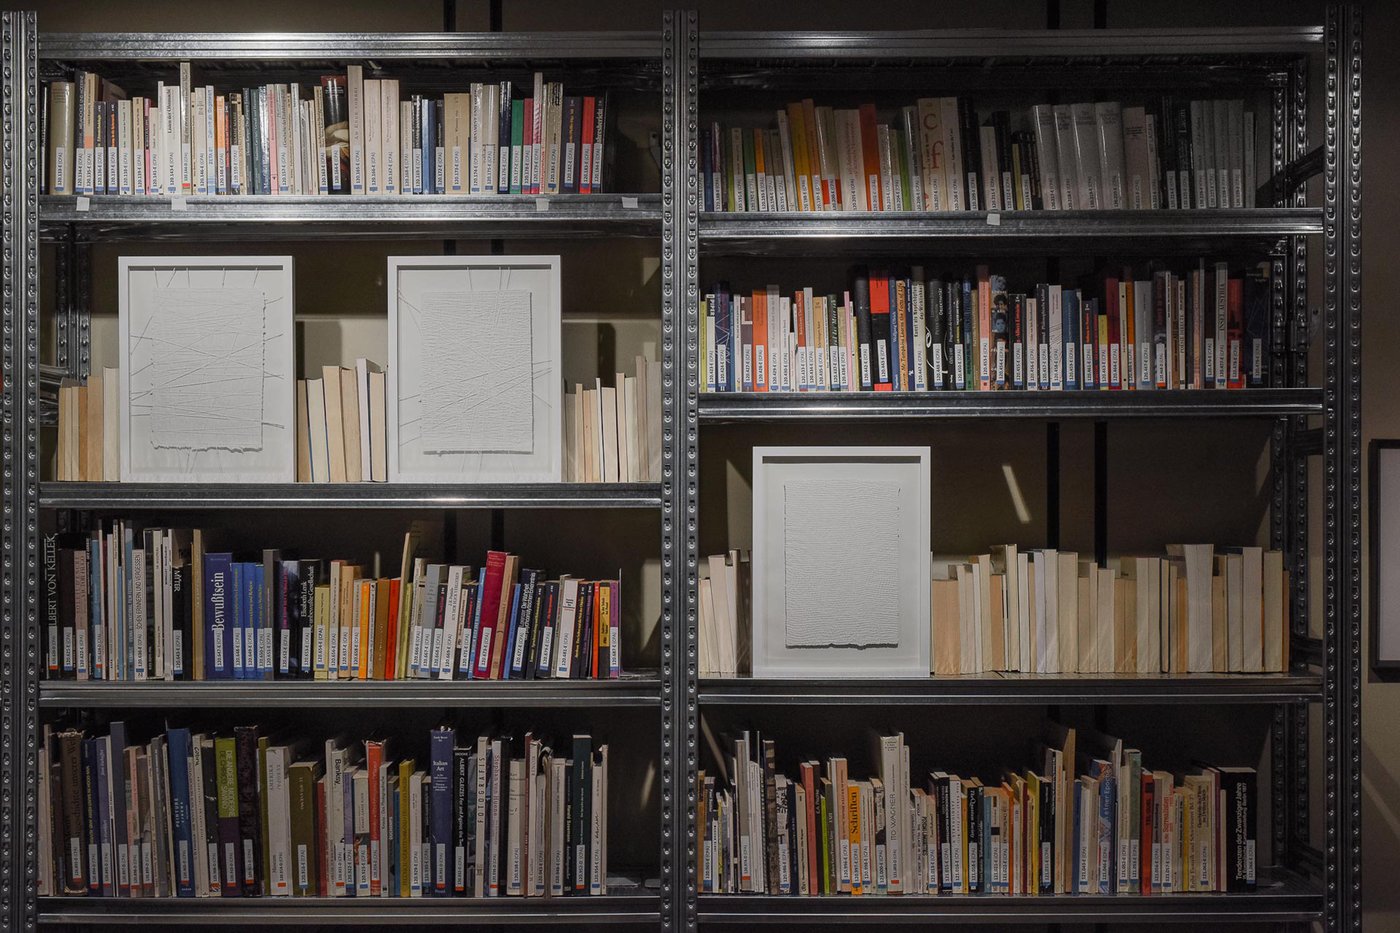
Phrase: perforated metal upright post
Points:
(1342, 468)
(19, 469)
(681, 472)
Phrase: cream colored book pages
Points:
(588, 424)
(316, 427)
(1067, 594)
(1234, 611)
(374, 137)
(653, 398)
(646, 442)
(635, 435)
(361, 381)
(111, 435)
(719, 612)
(77, 444)
(93, 450)
(335, 424)
(997, 617)
(1087, 593)
(1274, 614)
(378, 426)
(570, 439)
(987, 659)
(1251, 597)
(708, 634)
(303, 435)
(1151, 615)
(947, 651)
(581, 434)
(608, 412)
(1107, 615)
(1124, 639)
(389, 135)
(1219, 619)
(624, 433)
(350, 425)
(968, 636)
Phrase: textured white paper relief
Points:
(201, 385)
(477, 380)
(841, 566)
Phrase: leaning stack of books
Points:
(1099, 822)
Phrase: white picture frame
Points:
(841, 562)
(190, 406)
(518, 436)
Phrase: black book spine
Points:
(1017, 340)
(860, 297)
(583, 636)
(474, 764)
(1166, 152)
(973, 868)
(935, 323)
(1240, 836)
(461, 841)
(210, 801)
(91, 835)
(1030, 159)
(570, 806)
(57, 640)
(180, 620)
(1046, 881)
(768, 762)
(972, 153)
(249, 815)
(1181, 117)
(1001, 123)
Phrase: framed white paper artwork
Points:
(207, 369)
(840, 561)
(475, 388)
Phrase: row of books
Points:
(125, 603)
(1156, 327)
(89, 441)
(341, 433)
(938, 155)
(1051, 612)
(612, 434)
(725, 631)
(347, 134)
(1087, 818)
(192, 814)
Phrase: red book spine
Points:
(492, 579)
(881, 350)
(585, 182)
(1149, 806)
(391, 634)
(1089, 343)
(1234, 324)
(870, 156)
(809, 785)
(1107, 379)
(374, 757)
(803, 375)
(527, 179)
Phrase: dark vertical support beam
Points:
(1052, 484)
(1101, 493)
(1297, 465)
(449, 15)
(679, 469)
(496, 16)
(1342, 467)
(19, 471)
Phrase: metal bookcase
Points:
(1313, 882)
(69, 227)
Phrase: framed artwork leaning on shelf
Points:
(840, 561)
(207, 369)
(475, 385)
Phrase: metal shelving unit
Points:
(1321, 882)
(70, 226)
(123, 497)
(733, 407)
(642, 908)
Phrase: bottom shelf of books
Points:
(1082, 829)
(427, 819)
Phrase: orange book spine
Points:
(362, 663)
(760, 341)
(870, 156)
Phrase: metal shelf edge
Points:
(146, 496)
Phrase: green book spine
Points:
(226, 768)
(517, 143)
(825, 815)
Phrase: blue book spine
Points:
(262, 630)
(476, 633)
(238, 620)
(218, 616)
(391, 884)
(1080, 882)
(103, 830)
(177, 743)
(512, 629)
(1108, 812)
(897, 348)
(722, 339)
(97, 630)
(1070, 324)
(440, 755)
(91, 807)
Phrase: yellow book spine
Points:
(405, 819)
(320, 615)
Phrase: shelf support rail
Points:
(1342, 468)
(19, 466)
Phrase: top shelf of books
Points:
(1108, 46)
(243, 50)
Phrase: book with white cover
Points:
(1067, 156)
(1108, 119)
(1047, 151)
